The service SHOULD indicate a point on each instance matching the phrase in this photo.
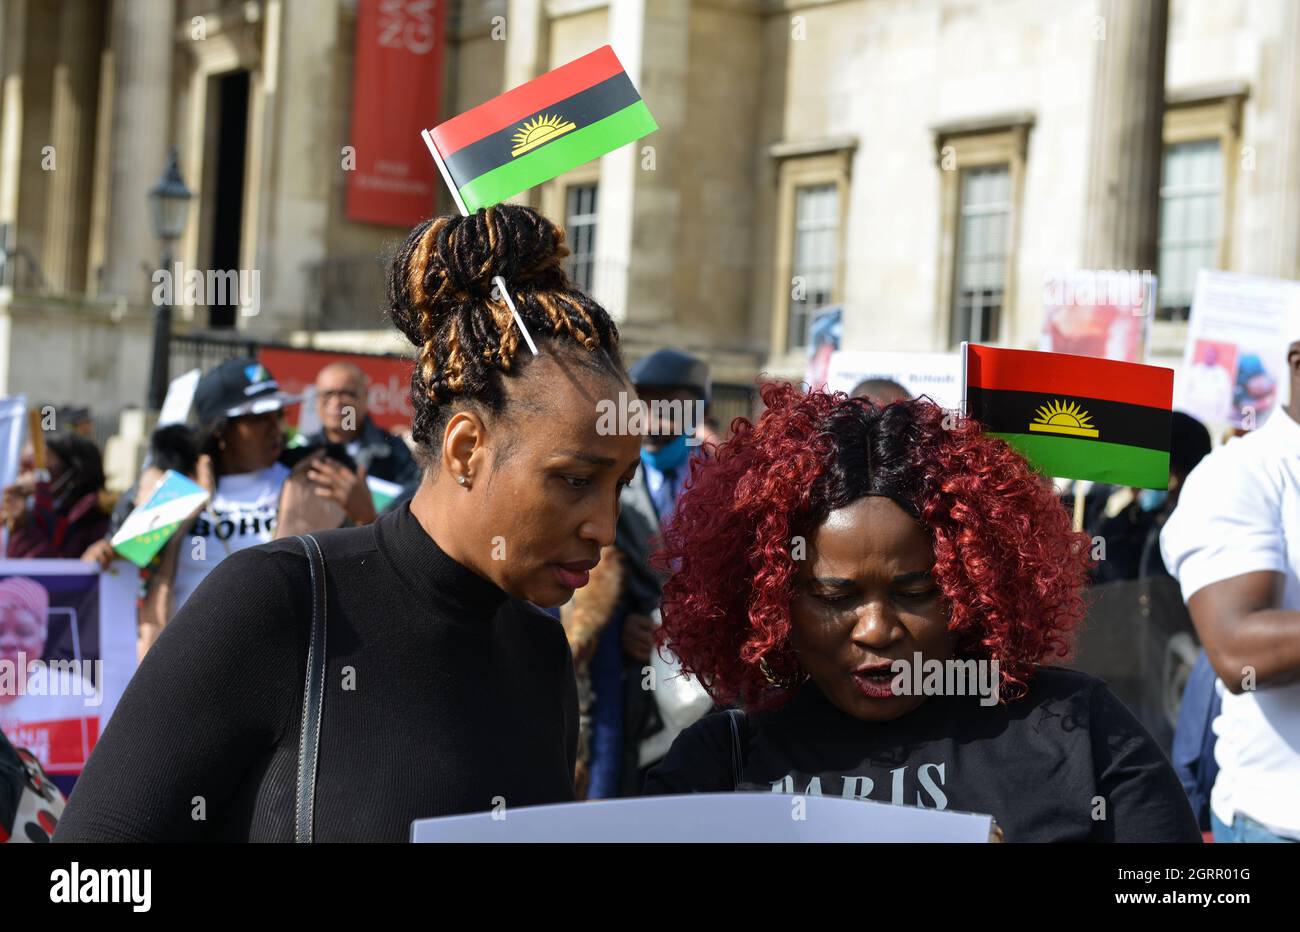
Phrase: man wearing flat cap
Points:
(612, 620)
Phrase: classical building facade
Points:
(924, 163)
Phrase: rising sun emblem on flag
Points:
(1058, 418)
(539, 130)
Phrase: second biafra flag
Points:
(541, 129)
(1076, 417)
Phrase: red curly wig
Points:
(1009, 567)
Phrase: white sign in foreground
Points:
(710, 817)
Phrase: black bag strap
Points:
(735, 718)
(313, 696)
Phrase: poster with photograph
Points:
(1098, 312)
(1234, 364)
(825, 331)
(67, 651)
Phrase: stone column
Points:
(292, 229)
(1285, 167)
(142, 37)
(640, 209)
(1123, 207)
(13, 29)
(526, 42)
(71, 134)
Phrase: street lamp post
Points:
(169, 203)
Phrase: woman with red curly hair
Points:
(882, 588)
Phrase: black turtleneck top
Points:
(442, 696)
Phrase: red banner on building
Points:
(389, 395)
(396, 88)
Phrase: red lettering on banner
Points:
(62, 746)
(389, 399)
(396, 87)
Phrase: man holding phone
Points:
(341, 405)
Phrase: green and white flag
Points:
(174, 501)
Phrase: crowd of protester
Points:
(686, 580)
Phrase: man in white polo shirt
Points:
(1233, 543)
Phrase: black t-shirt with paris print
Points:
(1066, 763)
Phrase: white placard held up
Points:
(710, 817)
(936, 375)
(1234, 364)
(1098, 312)
(180, 398)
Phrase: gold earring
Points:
(788, 681)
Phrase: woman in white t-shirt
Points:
(240, 410)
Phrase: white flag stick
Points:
(442, 167)
(460, 203)
(964, 409)
(528, 337)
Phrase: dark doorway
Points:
(228, 213)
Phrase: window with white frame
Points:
(983, 242)
(580, 229)
(1190, 198)
(815, 256)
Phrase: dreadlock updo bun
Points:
(441, 296)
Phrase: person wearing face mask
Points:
(631, 727)
(62, 517)
(442, 688)
(833, 552)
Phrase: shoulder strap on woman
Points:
(313, 696)
(736, 719)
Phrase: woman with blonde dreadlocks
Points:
(445, 691)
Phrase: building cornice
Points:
(984, 124)
(826, 145)
(1206, 93)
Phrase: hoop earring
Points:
(787, 681)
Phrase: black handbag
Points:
(313, 696)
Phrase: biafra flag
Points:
(1077, 417)
(540, 129)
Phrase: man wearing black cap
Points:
(627, 728)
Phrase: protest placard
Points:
(69, 649)
(1098, 312)
(936, 375)
(1234, 364)
(824, 334)
(711, 817)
